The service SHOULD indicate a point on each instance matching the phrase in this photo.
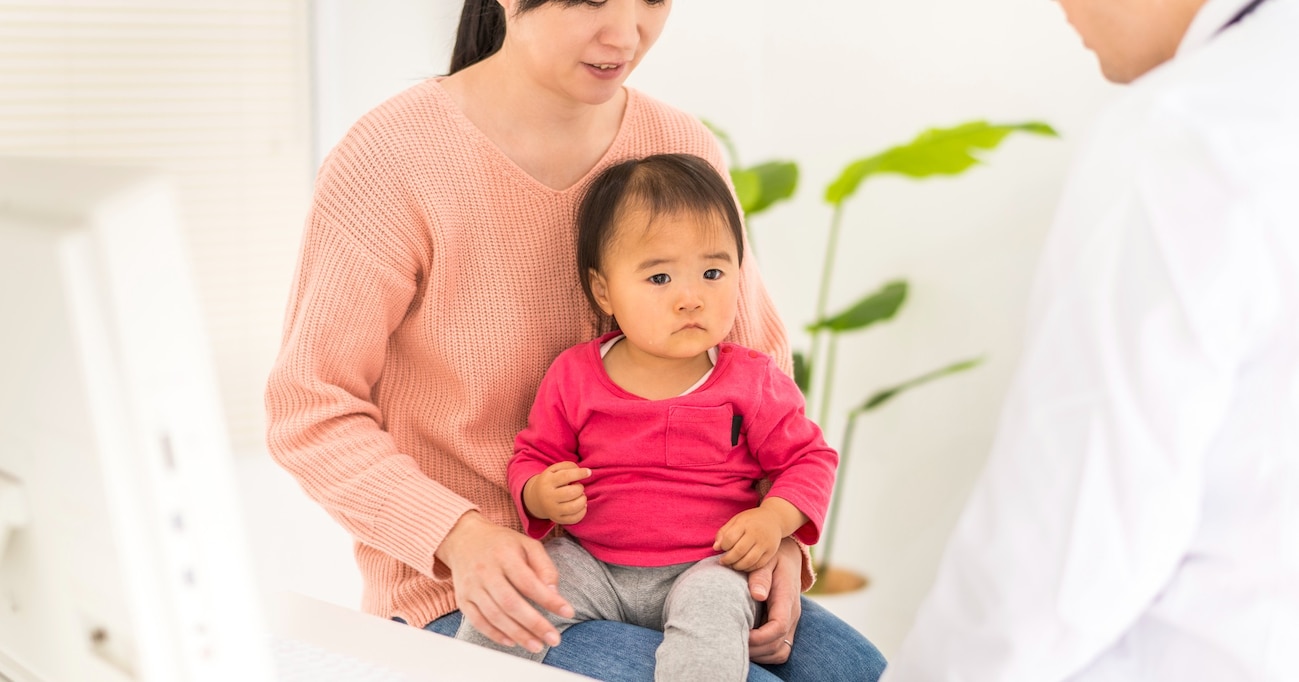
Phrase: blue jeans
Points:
(826, 649)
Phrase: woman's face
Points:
(583, 51)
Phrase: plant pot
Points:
(844, 593)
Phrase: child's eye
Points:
(712, 273)
(660, 278)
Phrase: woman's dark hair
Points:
(661, 184)
(482, 29)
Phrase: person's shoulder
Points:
(747, 361)
(581, 356)
(403, 120)
(762, 384)
(663, 128)
(1242, 79)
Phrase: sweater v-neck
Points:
(631, 108)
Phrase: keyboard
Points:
(298, 661)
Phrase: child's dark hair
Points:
(661, 184)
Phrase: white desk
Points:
(408, 653)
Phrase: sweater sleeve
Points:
(792, 452)
(361, 258)
(548, 439)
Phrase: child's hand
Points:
(750, 539)
(555, 493)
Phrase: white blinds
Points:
(214, 91)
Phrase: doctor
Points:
(1139, 515)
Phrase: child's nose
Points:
(690, 299)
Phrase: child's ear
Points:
(600, 290)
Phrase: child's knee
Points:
(714, 589)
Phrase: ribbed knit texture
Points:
(435, 285)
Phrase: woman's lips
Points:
(606, 71)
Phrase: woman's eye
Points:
(659, 279)
(712, 273)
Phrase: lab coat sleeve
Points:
(1092, 492)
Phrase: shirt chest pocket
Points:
(699, 436)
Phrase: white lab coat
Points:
(1138, 518)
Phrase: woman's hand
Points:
(778, 583)
(494, 570)
(555, 493)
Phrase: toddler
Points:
(646, 444)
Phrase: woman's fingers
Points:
(779, 583)
(498, 619)
(494, 570)
(538, 580)
(517, 618)
(482, 624)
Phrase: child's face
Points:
(673, 285)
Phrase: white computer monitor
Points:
(121, 548)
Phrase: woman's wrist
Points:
(463, 528)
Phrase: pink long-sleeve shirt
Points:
(436, 283)
(667, 474)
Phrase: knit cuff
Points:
(414, 520)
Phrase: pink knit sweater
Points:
(435, 285)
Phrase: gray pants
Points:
(703, 609)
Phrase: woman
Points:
(435, 285)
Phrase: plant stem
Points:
(823, 293)
(823, 403)
(836, 494)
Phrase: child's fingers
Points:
(754, 558)
(727, 537)
(738, 550)
(572, 506)
(568, 519)
(567, 493)
(565, 473)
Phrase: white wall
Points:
(365, 52)
(825, 86)
(850, 79)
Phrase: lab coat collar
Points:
(1208, 21)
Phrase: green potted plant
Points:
(938, 151)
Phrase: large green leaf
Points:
(777, 181)
(937, 151)
(760, 186)
(877, 307)
(892, 392)
(748, 188)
